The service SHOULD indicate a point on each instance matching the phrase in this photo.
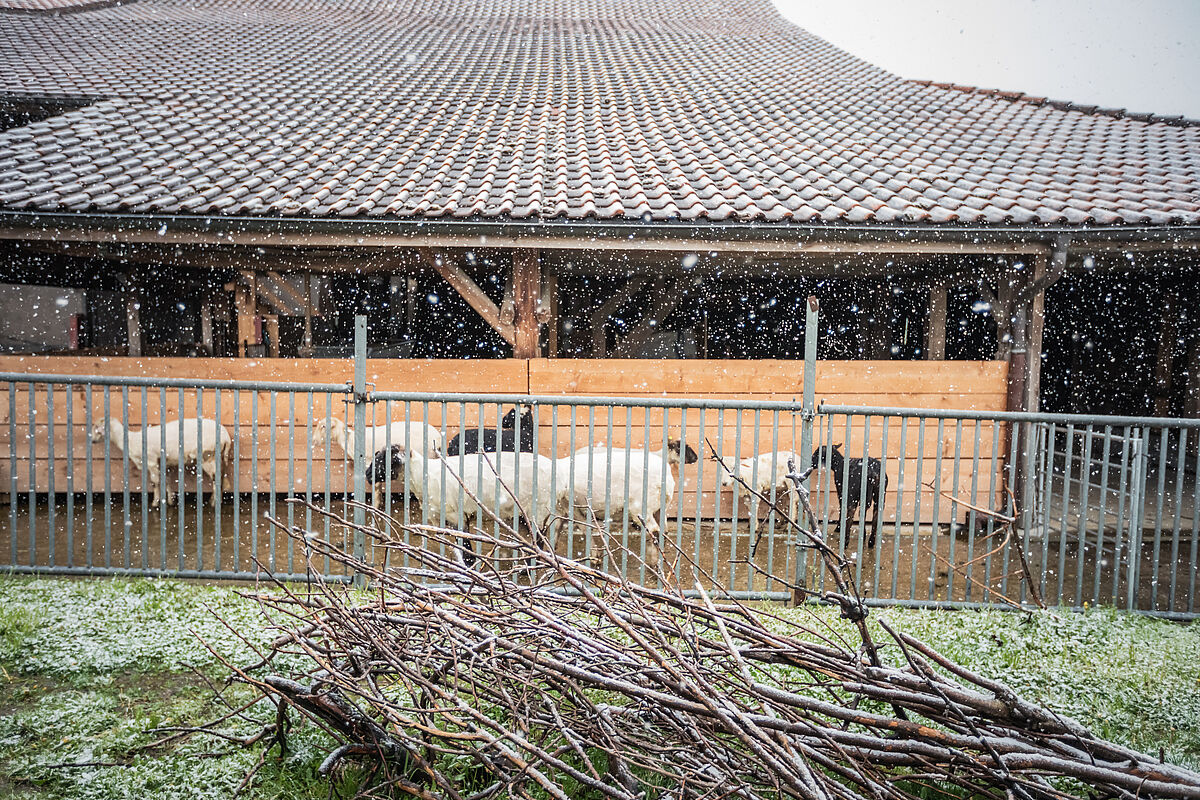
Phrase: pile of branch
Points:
(529, 674)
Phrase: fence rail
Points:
(1104, 508)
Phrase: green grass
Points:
(89, 667)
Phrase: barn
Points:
(632, 198)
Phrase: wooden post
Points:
(1191, 403)
(1168, 336)
(935, 333)
(881, 331)
(550, 304)
(247, 324)
(271, 324)
(1037, 326)
(527, 284)
(206, 325)
(133, 318)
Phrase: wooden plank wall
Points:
(921, 384)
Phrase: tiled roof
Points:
(562, 109)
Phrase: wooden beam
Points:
(1168, 336)
(454, 275)
(665, 293)
(527, 287)
(601, 315)
(935, 333)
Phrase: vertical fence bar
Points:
(1015, 454)
(1085, 481)
(272, 477)
(972, 516)
(1068, 464)
(700, 439)
(50, 521)
(31, 437)
(146, 471)
(12, 472)
(1195, 532)
(683, 437)
(917, 493)
(291, 487)
(953, 521)
(1164, 441)
(360, 429)
(894, 594)
(861, 489)
(773, 496)
(125, 499)
(881, 501)
(88, 474)
(1128, 462)
(237, 476)
(181, 494)
(70, 398)
(1047, 492)
(254, 469)
(218, 479)
(162, 477)
(716, 523)
(107, 476)
(199, 481)
(1180, 469)
(1104, 453)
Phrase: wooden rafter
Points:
(451, 273)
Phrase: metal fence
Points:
(1104, 508)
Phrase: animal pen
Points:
(1104, 507)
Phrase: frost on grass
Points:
(62, 628)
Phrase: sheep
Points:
(420, 435)
(489, 440)
(443, 485)
(763, 473)
(200, 451)
(874, 476)
(651, 482)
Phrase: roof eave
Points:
(167, 229)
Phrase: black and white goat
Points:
(509, 439)
(849, 477)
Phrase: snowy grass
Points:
(90, 667)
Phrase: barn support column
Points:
(935, 333)
(133, 317)
(249, 328)
(880, 346)
(1191, 402)
(527, 290)
(1168, 336)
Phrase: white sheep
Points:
(649, 488)
(421, 436)
(199, 440)
(763, 473)
(446, 485)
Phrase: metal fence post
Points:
(807, 418)
(360, 431)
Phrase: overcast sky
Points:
(1142, 55)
